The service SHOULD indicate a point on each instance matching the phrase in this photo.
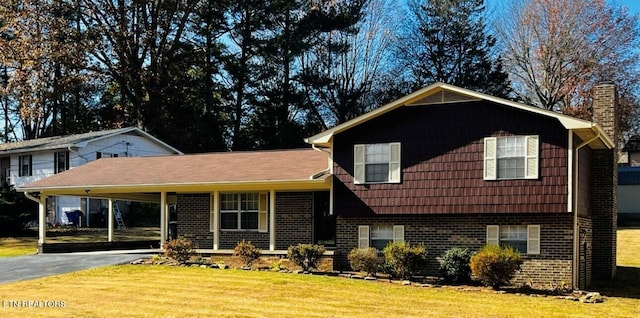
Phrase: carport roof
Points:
(285, 168)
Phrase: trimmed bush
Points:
(306, 256)
(247, 252)
(494, 265)
(364, 260)
(179, 249)
(405, 260)
(454, 265)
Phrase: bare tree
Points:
(557, 50)
(343, 68)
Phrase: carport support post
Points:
(110, 222)
(272, 220)
(42, 221)
(164, 222)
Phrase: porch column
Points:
(42, 220)
(216, 220)
(272, 220)
(164, 221)
(110, 220)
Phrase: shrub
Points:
(364, 260)
(306, 256)
(247, 252)
(179, 249)
(495, 265)
(454, 265)
(405, 260)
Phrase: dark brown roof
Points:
(227, 167)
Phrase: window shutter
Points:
(490, 160)
(358, 164)
(398, 233)
(263, 203)
(394, 162)
(493, 234)
(531, 159)
(363, 236)
(533, 239)
(30, 165)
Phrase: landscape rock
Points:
(592, 298)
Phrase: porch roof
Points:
(225, 171)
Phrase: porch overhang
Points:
(151, 192)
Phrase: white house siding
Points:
(43, 165)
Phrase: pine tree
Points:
(447, 42)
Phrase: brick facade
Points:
(294, 222)
(440, 232)
(604, 189)
(193, 218)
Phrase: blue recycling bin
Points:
(74, 217)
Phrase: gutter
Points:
(576, 234)
(32, 197)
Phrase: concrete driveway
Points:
(19, 268)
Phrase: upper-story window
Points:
(105, 155)
(377, 163)
(25, 166)
(511, 157)
(61, 161)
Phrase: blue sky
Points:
(633, 5)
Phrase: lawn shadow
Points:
(626, 283)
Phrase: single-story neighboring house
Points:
(444, 167)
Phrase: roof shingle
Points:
(226, 167)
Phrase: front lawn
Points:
(167, 291)
(18, 246)
(164, 291)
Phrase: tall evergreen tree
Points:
(447, 42)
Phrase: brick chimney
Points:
(604, 184)
(605, 108)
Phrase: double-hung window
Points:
(377, 163)
(61, 161)
(25, 166)
(243, 211)
(523, 238)
(379, 235)
(511, 157)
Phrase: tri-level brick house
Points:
(443, 166)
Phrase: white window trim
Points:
(533, 237)
(364, 235)
(394, 162)
(531, 157)
(262, 212)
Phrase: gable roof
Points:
(226, 171)
(77, 140)
(440, 93)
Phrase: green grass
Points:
(628, 252)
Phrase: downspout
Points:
(330, 170)
(576, 234)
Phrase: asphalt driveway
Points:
(40, 265)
